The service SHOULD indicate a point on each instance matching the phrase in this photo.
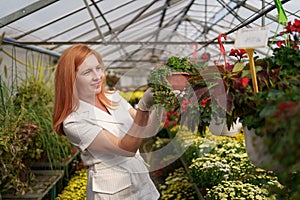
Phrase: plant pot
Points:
(222, 129)
(258, 152)
(68, 165)
(44, 187)
(179, 80)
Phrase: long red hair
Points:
(66, 97)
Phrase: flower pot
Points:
(46, 186)
(258, 152)
(178, 80)
(222, 129)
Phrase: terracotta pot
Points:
(179, 80)
(259, 153)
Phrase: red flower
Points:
(238, 53)
(296, 26)
(287, 110)
(290, 105)
(244, 81)
(204, 101)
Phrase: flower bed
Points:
(219, 167)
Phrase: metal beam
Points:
(247, 22)
(256, 10)
(116, 29)
(94, 20)
(113, 43)
(101, 14)
(52, 22)
(135, 18)
(23, 12)
(186, 9)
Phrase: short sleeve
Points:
(80, 132)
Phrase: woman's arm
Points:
(132, 112)
(108, 143)
(146, 124)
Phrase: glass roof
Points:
(138, 33)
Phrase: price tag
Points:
(251, 38)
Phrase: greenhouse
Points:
(149, 99)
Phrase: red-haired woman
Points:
(104, 127)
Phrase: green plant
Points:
(209, 170)
(163, 92)
(111, 80)
(280, 71)
(238, 190)
(35, 96)
(274, 111)
(180, 64)
(14, 144)
(177, 186)
(220, 163)
(187, 106)
(218, 159)
(26, 130)
(76, 188)
(15, 175)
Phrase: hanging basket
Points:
(222, 129)
(258, 152)
(179, 80)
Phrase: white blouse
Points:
(81, 128)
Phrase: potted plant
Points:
(26, 132)
(278, 71)
(231, 82)
(111, 80)
(180, 101)
(273, 111)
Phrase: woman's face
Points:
(89, 78)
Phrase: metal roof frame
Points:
(136, 31)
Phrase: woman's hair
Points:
(66, 98)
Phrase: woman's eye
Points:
(99, 68)
(86, 72)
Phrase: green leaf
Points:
(239, 66)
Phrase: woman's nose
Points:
(97, 75)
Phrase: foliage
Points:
(111, 80)
(180, 64)
(15, 175)
(185, 107)
(26, 133)
(238, 190)
(14, 144)
(275, 110)
(218, 163)
(163, 92)
(280, 71)
(209, 170)
(76, 188)
(177, 186)
(38, 104)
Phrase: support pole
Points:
(252, 69)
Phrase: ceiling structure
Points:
(137, 33)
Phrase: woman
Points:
(104, 127)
